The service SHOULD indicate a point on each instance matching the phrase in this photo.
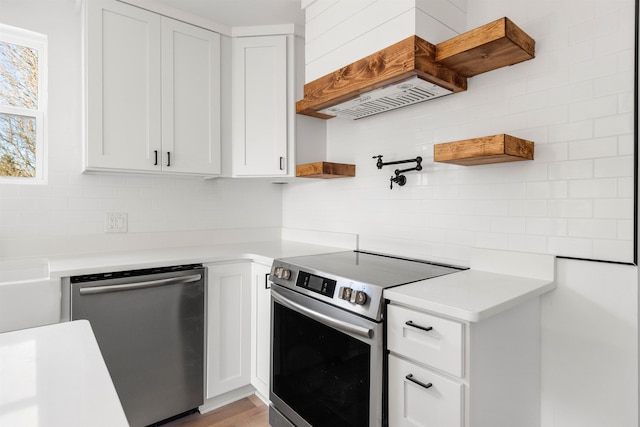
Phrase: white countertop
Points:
(497, 281)
(469, 295)
(55, 376)
(261, 252)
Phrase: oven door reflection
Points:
(325, 375)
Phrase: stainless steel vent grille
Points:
(402, 94)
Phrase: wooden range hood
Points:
(445, 66)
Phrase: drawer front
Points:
(425, 338)
(420, 397)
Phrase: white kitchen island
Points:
(53, 376)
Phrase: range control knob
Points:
(361, 298)
(345, 293)
(282, 273)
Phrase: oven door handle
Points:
(323, 318)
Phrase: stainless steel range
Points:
(327, 364)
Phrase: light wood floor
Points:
(247, 412)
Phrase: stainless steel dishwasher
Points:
(150, 327)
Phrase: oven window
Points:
(321, 373)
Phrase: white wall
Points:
(575, 101)
(67, 215)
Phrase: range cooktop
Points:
(353, 280)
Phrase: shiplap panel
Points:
(340, 32)
(445, 12)
(378, 38)
(316, 9)
(334, 30)
(339, 17)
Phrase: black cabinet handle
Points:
(168, 158)
(281, 163)
(413, 325)
(266, 281)
(420, 383)
(155, 152)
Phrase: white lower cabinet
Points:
(261, 329)
(228, 327)
(445, 372)
(420, 397)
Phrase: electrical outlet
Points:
(115, 222)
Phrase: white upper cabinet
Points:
(262, 106)
(153, 92)
(190, 99)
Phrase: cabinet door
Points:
(123, 87)
(228, 327)
(190, 99)
(419, 397)
(259, 106)
(261, 331)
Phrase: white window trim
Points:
(33, 40)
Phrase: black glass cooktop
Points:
(371, 268)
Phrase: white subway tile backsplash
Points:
(612, 208)
(571, 93)
(574, 169)
(593, 108)
(552, 115)
(571, 131)
(593, 228)
(620, 124)
(571, 208)
(625, 229)
(547, 190)
(593, 148)
(593, 69)
(547, 226)
(593, 188)
(622, 83)
(508, 225)
(528, 208)
(492, 241)
(626, 187)
(613, 167)
(527, 243)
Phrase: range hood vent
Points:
(380, 82)
(397, 95)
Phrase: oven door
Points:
(326, 364)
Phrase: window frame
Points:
(38, 42)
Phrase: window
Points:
(23, 96)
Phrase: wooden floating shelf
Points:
(448, 64)
(325, 170)
(482, 151)
(495, 45)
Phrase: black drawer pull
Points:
(410, 323)
(420, 383)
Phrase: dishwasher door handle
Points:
(140, 285)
